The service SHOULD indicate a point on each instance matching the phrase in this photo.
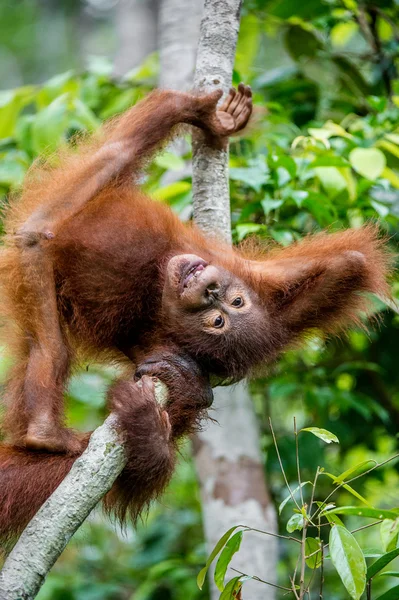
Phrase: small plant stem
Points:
(381, 464)
(369, 589)
(296, 566)
(293, 588)
(367, 526)
(297, 460)
(303, 560)
(313, 492)
(321, 574)
(277, 535)
(279, 587)
(281, 465)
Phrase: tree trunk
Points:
(179, 22)
(136, 27)
(228, 454)
(50, 530)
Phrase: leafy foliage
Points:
(323, 151)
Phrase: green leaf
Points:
(389, 532)
(222, 542)
(254, 176)
(329, 161)
(295, 523)
(12, 170)
(320, 133)
(232, 546)
(391, 176)
(382, 562)
(168, 160)
(372, 513)
(323, 434)
(83, 117)
(392, 594)
(244, 229)
(301, 41)
(231, 589)
(11, 103)
(50, 124)
(268, 204)
(342, 33)
(380, 208)
(368, 162)
(347, 557)
(389, 574)
(331, 179)
(348, 488)
(356, 470)
(172, 190)
(312, 547)
(288, 498)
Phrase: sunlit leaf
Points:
(50, 124)
(172, 190)
(254, 176)
(382, 562)
(289, 497)
(231, 589)
(343, 32)
(355, 470)
(323, 434)
(313, 553)
(331, 179)
(320, 133)
(389, 532)
(268, 204)
(391, 176)
(368, 162)
(244, 229)
(347, 557)
(365, 511)
(168, 160)
(220, 544)
(392, 594)
(295, 523)
(232, 546)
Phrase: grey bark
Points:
(179, 22)
(228, 454)
(50, 530)
(136, 27)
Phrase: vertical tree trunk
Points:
(178, 32)
(136, 26)
(228, 454)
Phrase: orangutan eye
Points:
(218, 322)
(237, 302)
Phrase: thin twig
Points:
(303, 560)
(293, 588)
(297, 460)
(381, 464)
(280, 587)
(277, 535)
(313, 493)
(367, 526)
(321, 574)
(281, 465)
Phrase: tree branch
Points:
(50, 530)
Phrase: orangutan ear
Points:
(319, 283)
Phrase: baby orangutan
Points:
(91, 265)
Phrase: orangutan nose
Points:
(213, 289)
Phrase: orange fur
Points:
(84, 270)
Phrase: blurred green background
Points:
(323, 152)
